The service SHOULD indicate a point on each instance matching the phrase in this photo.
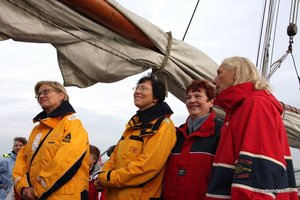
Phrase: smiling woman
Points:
(105, 106)
(145, 145)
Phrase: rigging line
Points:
(295, 68)
(267, 38)
(294, 11)
(123, 56)
(292, 27)
(261, 30)
(274, 32)
(190, 20)
(277, 64)
(291, 31)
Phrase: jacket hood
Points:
(232, 97)
(62, 110)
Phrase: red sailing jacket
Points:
(190, 162)
(253, 160)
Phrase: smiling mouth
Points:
(192, 107)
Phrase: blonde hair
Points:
(56, 85)
(245, 71)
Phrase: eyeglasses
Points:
(44, 92)
(140, 88)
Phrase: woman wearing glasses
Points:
(54, 164)
(137, 165)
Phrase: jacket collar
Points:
(206, 129)
(231, 98)
(62, 110)
(13, 155)
(154, 112)
(193, 125)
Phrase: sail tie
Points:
(168, 50)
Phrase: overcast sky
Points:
(219, 28)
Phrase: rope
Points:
(290, 108)
(268, 30)
(136, 62)
(166, 58)
(261, 32)
(167, 54)
(277, 64)
(294, 11)
(275, 29)
(291, 31)
(190, 20)
(295, 68)
(168, 50)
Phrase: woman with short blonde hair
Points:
(54, 164)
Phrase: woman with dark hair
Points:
(136, 167)
(191, 160)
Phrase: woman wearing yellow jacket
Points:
(136, 167)
(54, 164)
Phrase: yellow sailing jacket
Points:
(136, 167)
(60, 167)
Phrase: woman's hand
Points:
(98, 185)
(28, 194)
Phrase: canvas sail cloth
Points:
(89, 53)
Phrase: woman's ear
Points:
(61, 96)
(211, 103)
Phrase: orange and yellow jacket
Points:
(136, 168)
(60, 167)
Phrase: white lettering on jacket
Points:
(36, 141)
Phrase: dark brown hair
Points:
(158, 87)
(20, 139)
(95, 152)
(196, 85)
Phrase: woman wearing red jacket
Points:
(253, 159)
(190, 162)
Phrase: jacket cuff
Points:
(38, 190)
(104, 178)
(22, 183)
